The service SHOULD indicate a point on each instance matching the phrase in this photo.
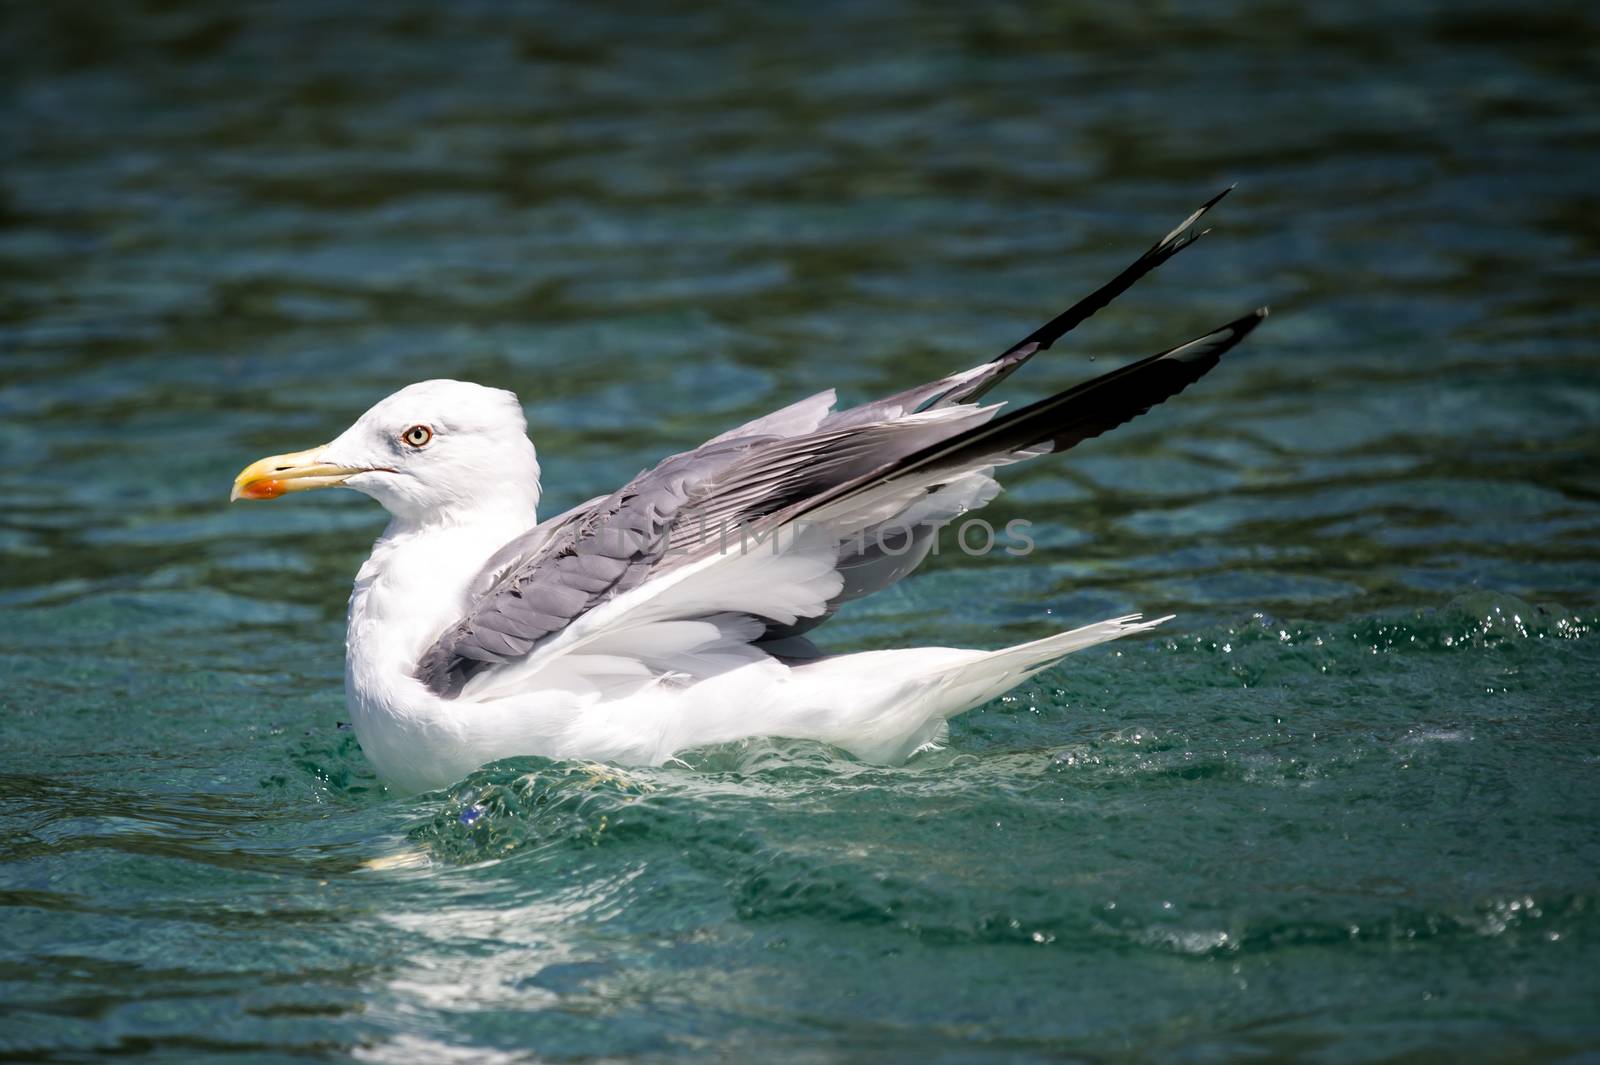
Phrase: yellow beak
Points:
(275, 475)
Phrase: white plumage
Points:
(665, 667)
(626, 630)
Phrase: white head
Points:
(435, 451)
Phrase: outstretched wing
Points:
(766, 474)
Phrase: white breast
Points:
(412, 588)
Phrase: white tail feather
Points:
(882, 705)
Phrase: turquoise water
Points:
(1342, 809)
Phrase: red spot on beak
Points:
(268, 489)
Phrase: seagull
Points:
(673, 613)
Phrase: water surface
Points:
(1342, 809)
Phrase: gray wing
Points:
(539, 583)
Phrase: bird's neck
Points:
(414, 585)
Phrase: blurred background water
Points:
(1343, 809)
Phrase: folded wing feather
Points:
(644, 584)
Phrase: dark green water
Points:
(1344, 809)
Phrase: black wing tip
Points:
(1218, 198)
(1249, 321)
(1215, 344)
(1175, 241)
(1184, 234)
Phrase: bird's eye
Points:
(417, 436)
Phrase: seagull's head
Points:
(434, 450)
